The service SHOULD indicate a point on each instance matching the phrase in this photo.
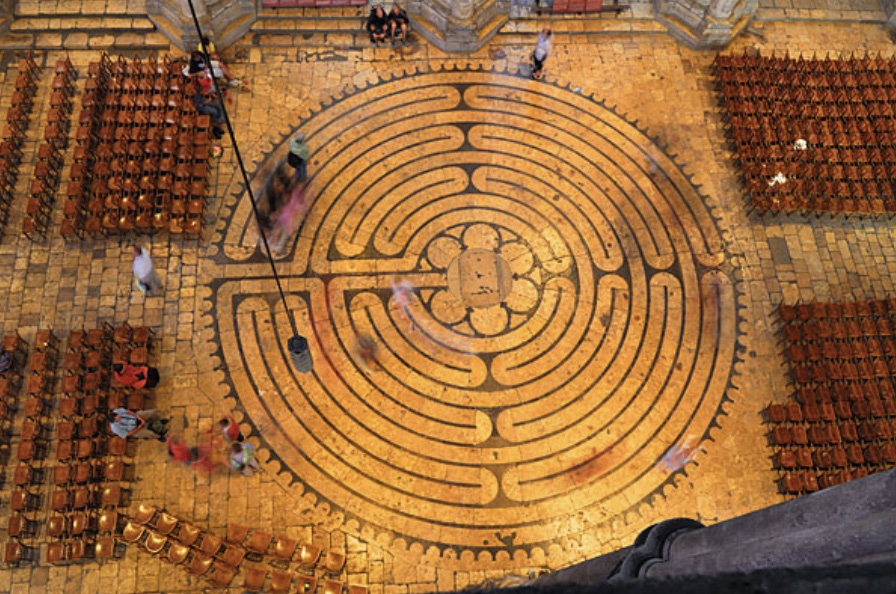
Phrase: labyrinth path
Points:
(548, 295)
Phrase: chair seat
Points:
(132, 532)
(155, 542)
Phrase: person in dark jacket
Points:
(377, 24)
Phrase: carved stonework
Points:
(890, 8)
(458, 25)
(224, 21)
(705, 24)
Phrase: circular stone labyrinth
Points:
(545, 293)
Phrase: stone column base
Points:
(224, 22)
(691, 23)
(452, 35)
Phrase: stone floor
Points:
(573, 310)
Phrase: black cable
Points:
(239, 160)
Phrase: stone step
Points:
(323, 24)
(103, 40)
(98, 23)
(105, 31)
(313, 13)
(580, 26)
(329, 39)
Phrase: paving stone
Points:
(576, 295)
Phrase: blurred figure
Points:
(541, 53)
(678, 455)
(147, 279)
(179, 451)
(298, 157)
(135, 376)
(230, 429)
(242, 458)
(289, 218)
(402, 293)
(367, 353)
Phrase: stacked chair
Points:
(80, 491)
(840, 423)
(141, 164)
(844, 110)
(14, 133)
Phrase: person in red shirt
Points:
(133, 376)
(179, 450)
(230, 429)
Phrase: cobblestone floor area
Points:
(589, 292)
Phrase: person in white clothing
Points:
(147, 279)
(541, 53)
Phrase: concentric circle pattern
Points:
(545, 291)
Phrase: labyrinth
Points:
(548, 296)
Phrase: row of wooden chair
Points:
(48, 169)
(773, 66)
(218, 560)
(840, 422)
(144, 164)
(91, 471)
(772, 103)
(17, 120)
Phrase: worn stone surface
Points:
(612, 176)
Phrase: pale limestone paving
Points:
(650, 79)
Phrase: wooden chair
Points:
(165, 523)
(200, 564)
(284, 549)
(105, 548)
(16, 553)
(309, 555)
(23, 501)
(211, 544)
(281, 581)
(108, 521)
(232, 555)
(133, 533)
(222, 575)
(19, 526)
(254, 579)
(236, 533)
(144, 514)
(188, 534)
(178, 553)
(259, 542)
(155, 542)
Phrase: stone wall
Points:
(889, 7)
(705, 24)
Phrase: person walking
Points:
(230, 429)
(147, 279)
(298, 157)
(135, 376)
(242, 458)
(541, 53)
(142, 424)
